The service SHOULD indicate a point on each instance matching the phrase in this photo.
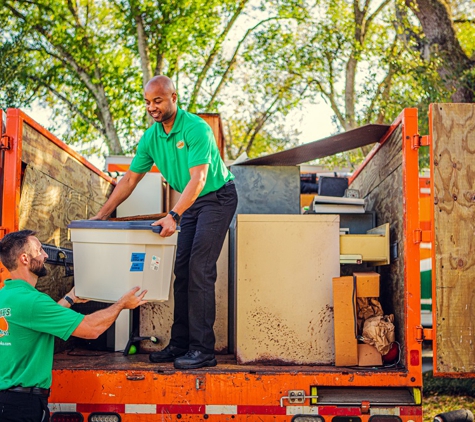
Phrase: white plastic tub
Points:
(111, 257)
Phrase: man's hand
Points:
(168, 225)
(130, 300)
(96, 217)
(72, 295)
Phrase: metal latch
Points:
(422, 236)
(423, 334)
(296, 397)
(5, 142)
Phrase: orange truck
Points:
(45, 185)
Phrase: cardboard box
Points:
(345, 291)
(369, 356)
(367, 284)
(344, 306)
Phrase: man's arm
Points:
(72, 295)
(120, 193)
(93, 325)
(188, 197)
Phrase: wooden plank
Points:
(48, 206)
(39, 152)
(453, 137)
(214, 120)
(380, 183)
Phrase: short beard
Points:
(38, 268)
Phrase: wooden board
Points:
(56, 189)
(453, 138)
(39, 152)
(380, 183)
(214, 120)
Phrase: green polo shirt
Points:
(29, 321)
(190, 143)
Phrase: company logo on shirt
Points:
(3, 321)
(180, 144)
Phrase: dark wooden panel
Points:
(453, 139)
(380, 183)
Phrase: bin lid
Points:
(113, 225)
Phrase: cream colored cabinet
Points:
(284, 304)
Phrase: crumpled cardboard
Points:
(378, 331)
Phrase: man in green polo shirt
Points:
(29, 321)
(183, 147)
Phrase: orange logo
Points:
(180, 144)
(3, 326)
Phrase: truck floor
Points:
(78, 359)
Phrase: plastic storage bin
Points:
(111, 257)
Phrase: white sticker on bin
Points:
(155, 264)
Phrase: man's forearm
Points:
(98, 322)
(189, 195)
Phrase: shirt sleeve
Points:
(200, 140)
(49, 317)
(143, 161)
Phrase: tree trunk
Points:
(440, 34)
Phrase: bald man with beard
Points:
(183, 147)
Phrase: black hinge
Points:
(420, 141)
(5, 142)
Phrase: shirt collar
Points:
(177, 124)
(18, 282)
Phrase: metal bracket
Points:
(420, 141)
(423, 334)
(296, 397)
(422, 236)
(5, 142)
(365, 405)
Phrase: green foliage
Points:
(254, 61)
(448, 386)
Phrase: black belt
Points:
(30, 390)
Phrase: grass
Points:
(442, 395)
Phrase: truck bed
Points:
(80, 359)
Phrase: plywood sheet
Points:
(284, 301)
(453, 137)
(39, 152)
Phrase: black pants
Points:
(23, 407)
(203, 230)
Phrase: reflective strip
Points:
(302, 410)
(261, 410)
(152, 409)
(184, 409)
(89, 408)
(425, 191)
(62, 407)
(390, 411)
(216, 409)
(141, 408)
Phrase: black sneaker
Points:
(168, 354)
(195, 359)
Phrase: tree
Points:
(455, 68)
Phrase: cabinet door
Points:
(284, 302)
